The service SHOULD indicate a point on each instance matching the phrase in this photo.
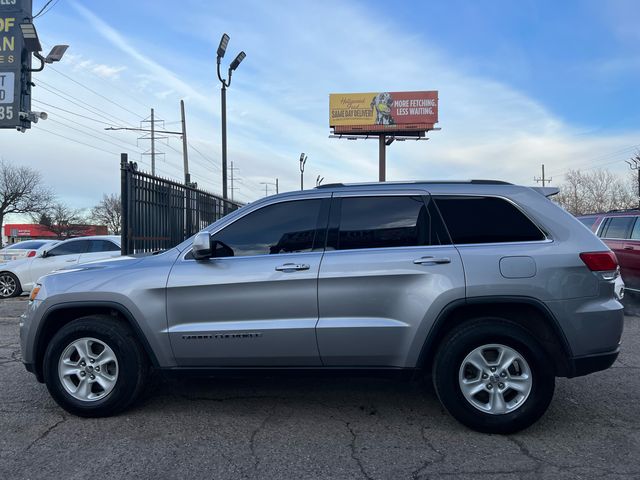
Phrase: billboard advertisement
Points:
(378, 112)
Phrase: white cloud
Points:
(107, 71)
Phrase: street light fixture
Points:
(32, 45)
(222, 48)
(303, 161)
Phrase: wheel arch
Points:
(526, 312)
(60, 315)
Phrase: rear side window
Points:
(385, 221)
(617, 227)
(486, 220)
(96, 246)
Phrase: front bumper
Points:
(587, 364)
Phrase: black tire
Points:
(133, 365)
(9, 277)
(485, 331)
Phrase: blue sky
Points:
(521, 84)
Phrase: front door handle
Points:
(431, 260)
(628, 247)
(292, 267)
(72, 260)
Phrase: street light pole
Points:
(303, 161)
(222, 48)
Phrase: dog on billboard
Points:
(382, 103)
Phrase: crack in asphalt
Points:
(44, 434)
(352, 446)
(252, 440)
(441, 456)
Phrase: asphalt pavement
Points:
(314, 428)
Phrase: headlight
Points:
(34, 292)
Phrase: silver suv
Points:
(488, 288)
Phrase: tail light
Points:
(604, 262)
(32, 253)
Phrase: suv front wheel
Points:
(94, 366)
(493, 376)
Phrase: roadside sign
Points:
(15, 78)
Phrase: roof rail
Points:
(414, 182)
(622, 210)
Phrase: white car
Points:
(26, 248)
(20, 275)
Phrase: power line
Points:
(95, 132)
(90, 134)
(42, 12)
(94, 92)
(101, 122)
(57, 91)
(77, 141)
(93, 110)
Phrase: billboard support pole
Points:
(382, 153)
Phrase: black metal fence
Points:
(158, 213)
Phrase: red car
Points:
(620, 230)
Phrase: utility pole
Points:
(277, 189)
(303, 161)
(153, 144)
(150, 135)
(634, 164)
(185, 153)
(232, 178)
(542, 179)
(266, 187)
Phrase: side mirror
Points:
(201, 246)
(43, 254)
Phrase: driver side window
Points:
(286, 227)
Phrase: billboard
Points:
(14, 64)
(379, 112)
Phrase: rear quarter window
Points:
(472, 219)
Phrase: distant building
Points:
(16, 232)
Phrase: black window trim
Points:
(547, 237)
(324, 212)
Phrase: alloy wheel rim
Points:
(495, 379)
(88, 369)
(7, 285)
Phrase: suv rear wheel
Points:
(493, 376)
(94, 367)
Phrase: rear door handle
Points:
(292, 267)
(72, 260)
(628, 247)
(431, 260)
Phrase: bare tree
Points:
(21, 191)
(108, 212)
(63, 221)
(595, 191)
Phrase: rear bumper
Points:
(587, 364)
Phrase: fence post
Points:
(124, 204)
